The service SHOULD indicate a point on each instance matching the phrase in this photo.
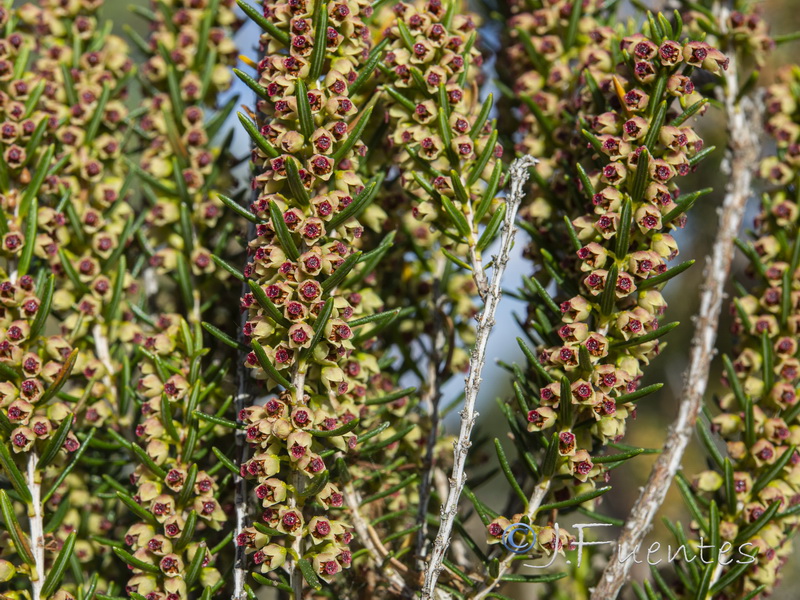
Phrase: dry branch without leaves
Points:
(518, 173)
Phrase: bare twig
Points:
(240, 569)
(243, 399)
(298, 482)
(369, 538)
(743, 151)
(519, 175)
(36, 520)
(431, 399)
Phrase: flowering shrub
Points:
(223, 374)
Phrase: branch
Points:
(35, 516)
(431, 399)
(36, 524)
(243, 399)
(298, 482)
(743, 149)
(519, 175)
(372, 542)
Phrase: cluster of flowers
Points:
(303, 312)
(549, 69)
(190, 53)
(641, 146)
(33, 367)
(446, 151)
(759, 415)
(84, 235)
(176, 490)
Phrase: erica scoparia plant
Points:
(220, 375)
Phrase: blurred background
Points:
(659, 410)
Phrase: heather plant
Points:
(225, 369)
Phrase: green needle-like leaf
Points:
(708, 442)
(346, 428)
(193, 572)
(320, 39)
(774, 470)
(341, 272)
(239, 209)
(147, 461)
(59, 566)
(222, 336)
(299, 192)
(480, 120)
(608, 295)
(55, 443)
(456, 216)
(391, 397)
(579, 499)
(622, 456)
(316, 486)
(267, 304)
(405, 35)
(258, 139)
(688, 113)
(365, 73)
(691, 502)
(489, 192)
(61, 377)
(184, 277)
(267, 365)
(222, 264)
(265, 24)
(319, 328)
(304, 109)
(353, 135)
(135, 562)
(400, 99)
(624, 230)
(572, 27)
(510, 477)
(35, 185)
(489, 234)
(537, 289)
(684, 204)
(359, 203)
(13, 528)
(665, 276)
(26, 255)
(226, 462)
(260, 90)
(648, 337)
(187, 535)
(282, 231)
(307, 569)
(46, 299)
(483, 159)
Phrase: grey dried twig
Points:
(518, 176)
